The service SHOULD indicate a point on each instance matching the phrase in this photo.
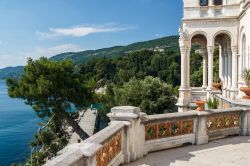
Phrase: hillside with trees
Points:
(166, 43)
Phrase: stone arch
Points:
(223, 32)
(200, 37)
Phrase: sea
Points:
(18, 124)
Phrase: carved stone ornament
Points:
(183, 35)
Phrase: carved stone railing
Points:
(132, 135)
(229, 103)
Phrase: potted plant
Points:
(200, 105)
(213, 103)
(246, 78)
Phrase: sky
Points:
(35, 28)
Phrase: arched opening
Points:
(198, 61)
(217, 2)
(203, 2)
(222, 68)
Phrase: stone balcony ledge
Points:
(133, 135)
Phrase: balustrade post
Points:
(134, 132)
(201, 136)
(245, 122)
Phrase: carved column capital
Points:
(234, 50)
(210, 50)
(204, 53)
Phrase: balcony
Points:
(134, 138)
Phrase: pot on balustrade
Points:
(200, 105)
(217, 86)
(246, 90)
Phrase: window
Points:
(203, 2)
(217, 2)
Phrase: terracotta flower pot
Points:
(217, 86)
(200, 104)
(246, 90)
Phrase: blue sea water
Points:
(18, 124)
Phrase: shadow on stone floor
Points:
(175, 156)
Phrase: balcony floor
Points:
(233, 151)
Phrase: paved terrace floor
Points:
(233, 151)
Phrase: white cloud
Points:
(48, 52)
(158, 35)
(21, 58)
(81, 31)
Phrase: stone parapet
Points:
(133, 134)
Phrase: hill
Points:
(11, 72)
(162, 44)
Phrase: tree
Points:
(150, 94)
(51, 88)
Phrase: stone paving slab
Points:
(233, 151)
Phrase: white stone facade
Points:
(210, 23)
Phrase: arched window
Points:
(203, 2)
(217, 2)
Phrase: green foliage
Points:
(196, 70)
(246, 76)
(150, 94)
(48, 142)
(49, 86)
(213, 103)
(216, 78)
(138, 64)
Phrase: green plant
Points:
(246, 76)
(213, 103)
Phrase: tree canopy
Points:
(150, 94)
(51, 88)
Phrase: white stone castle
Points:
(209, 23)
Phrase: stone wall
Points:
(133, 134)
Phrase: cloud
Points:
(48, 52)
(81, 31)
(158, 35)
(21, 58)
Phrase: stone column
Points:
(184, 59)
(210, 50)
(184, 91)
(229, 78)
(220, 64)
(234, 72)
(225, 72)
(222, 68)
(240, 68)
(204, 86)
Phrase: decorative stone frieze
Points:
(168, 129)
(111, 148)
(223, 121)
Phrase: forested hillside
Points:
(169, 43)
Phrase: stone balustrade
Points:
(132, 134)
